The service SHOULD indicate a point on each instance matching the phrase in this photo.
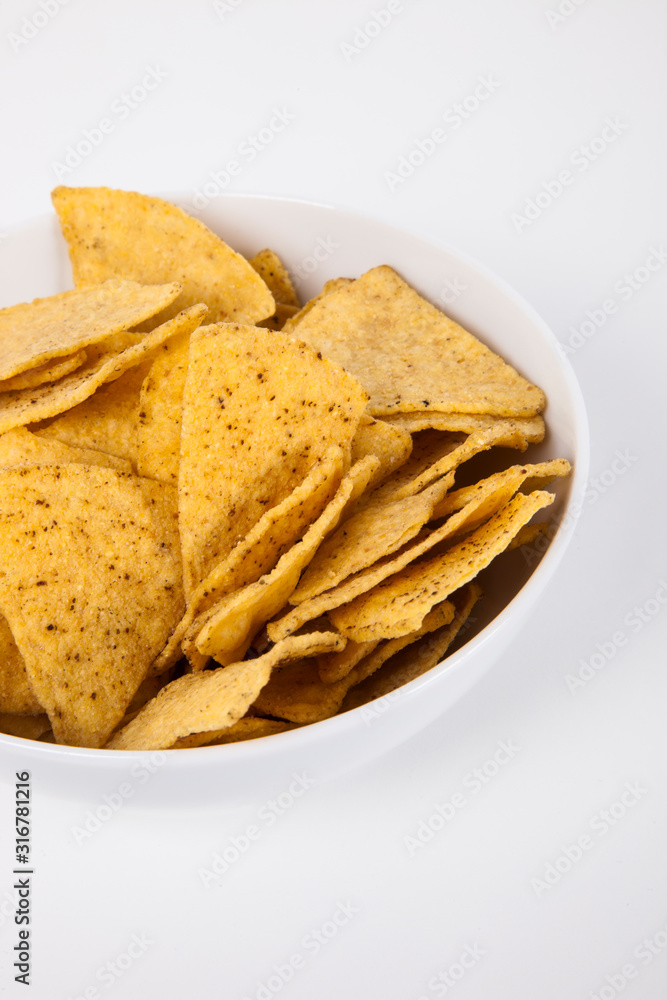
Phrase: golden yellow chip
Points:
(230, 626)
(20, 447)
(258, 553)
(416, 658)
(47, 372)
(250, 727)
(392, 445)
(106, 361)
(329, 286)
(27, 727)
(259, 410)
(409, 355)
(373, 532)
(107, 421)
(159, 412)
(211, 699)
(276, 276)
(33, 333)
(16, 695)
(90, 586)
(281, 316)
(335, 666)
(531, 429)
(400, 603)
(121, 233)
(297, 694)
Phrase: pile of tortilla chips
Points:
(224, 514)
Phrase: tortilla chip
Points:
(27, 727)
(90, 577)
(107, 421)
(392, 445)
(281, 316)
(408, 355)
(34, 333)
(329, 287)
(230, 626)
(159, 412)
(276, 277)
(529, 428)
(259, 410)
(16, 695)
(499, 487)
(400, 603)
(210, 699)
(105, 363)
(250, 727)
(297, 694)
(418, 657)
(481, 505)
(121, 233)
(333, 667)
(20, 447)
(275, 532)
(50, 371)
(377, 530)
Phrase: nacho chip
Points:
(417, 658)
(159, 412)
(333, 667)
(275, 532)
(105, 363)
(400, 603)
(250, 727)
(230, 626)
(50, 371)
(16, 695)
(34, 333)
(276, 277)
(90, 578)
(27, 727)
(499, 487)
(259, 410)
(329, 287)
(297, 694)
(480, 506)
(377, 530)
(121, 233)
(392, 445)
(211, 699)
(531, 429)
(20, 447)
(408, 355)
(281, 316)
(107, 421)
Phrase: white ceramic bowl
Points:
(317, 243)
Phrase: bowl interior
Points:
(317, 243)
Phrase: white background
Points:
(471, 913)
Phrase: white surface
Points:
(340, 847)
